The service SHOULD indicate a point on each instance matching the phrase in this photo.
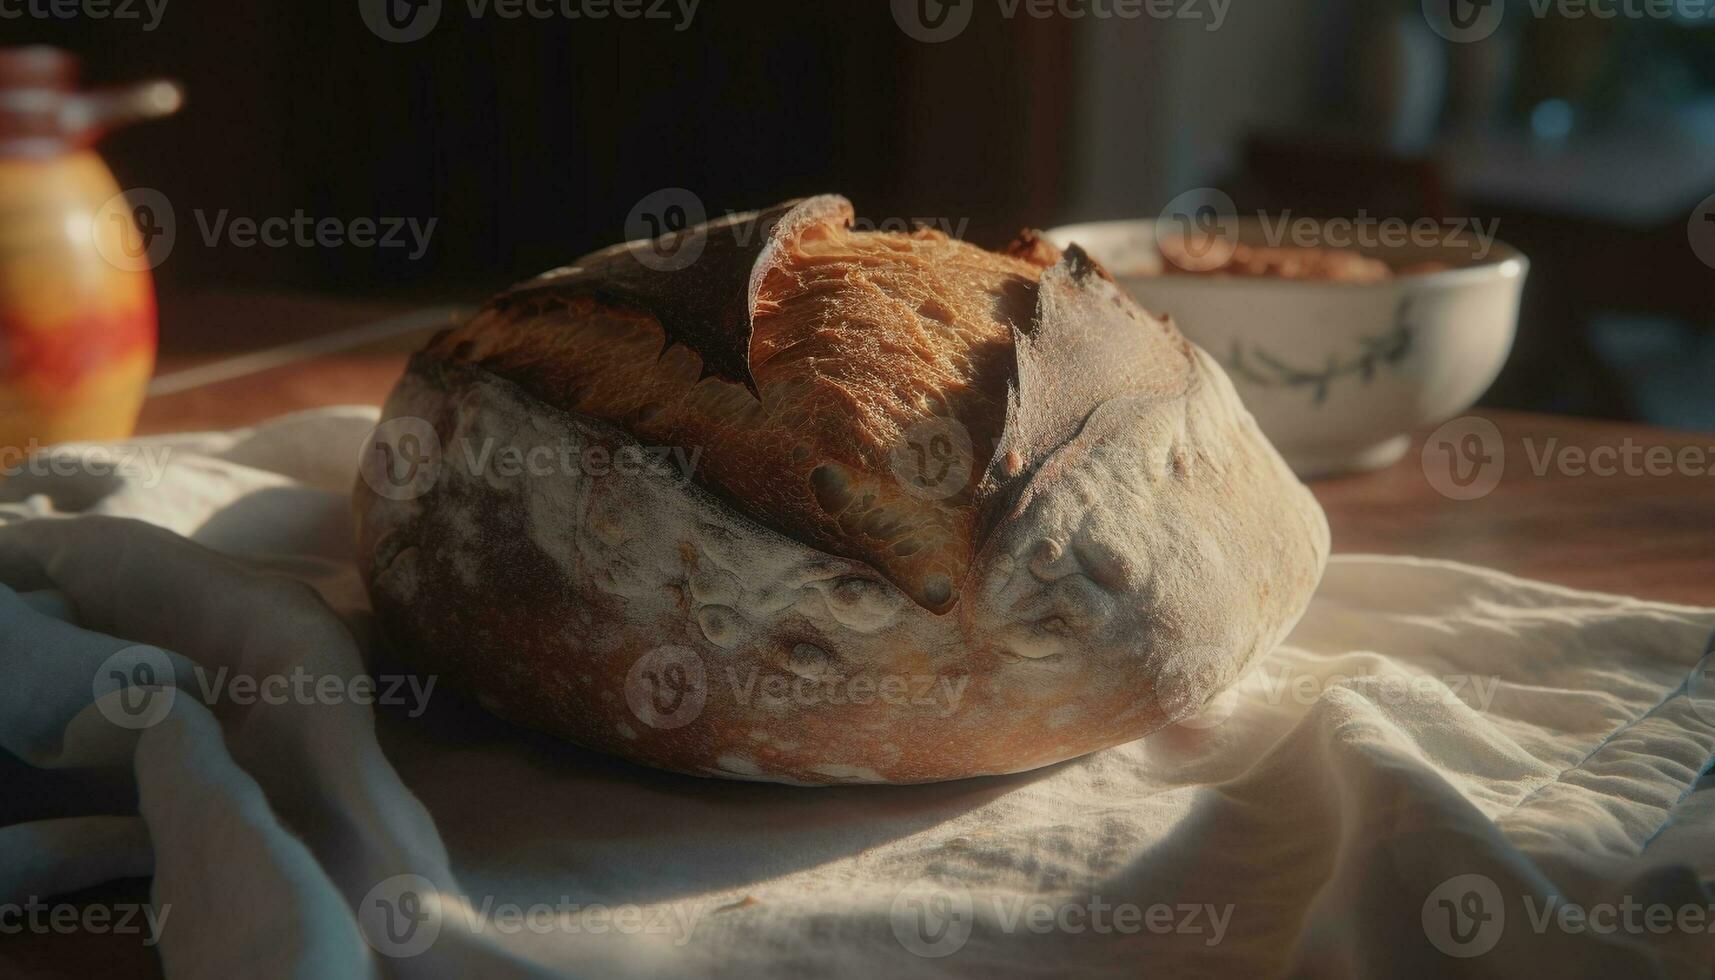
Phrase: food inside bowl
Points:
(1215, 256)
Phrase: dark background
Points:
(531, 140)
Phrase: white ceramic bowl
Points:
(1337, 374)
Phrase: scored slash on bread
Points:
(707, 302)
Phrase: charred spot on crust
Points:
(707, 305)
(1081, 265)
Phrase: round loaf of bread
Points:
(779, 499)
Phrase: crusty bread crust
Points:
(1126, 542)
(854, 338)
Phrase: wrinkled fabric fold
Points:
(1431, 735)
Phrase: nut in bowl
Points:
(1339, 353)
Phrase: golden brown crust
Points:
(855, 339)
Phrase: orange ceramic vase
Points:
(77, 304)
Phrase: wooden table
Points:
(1645, 535)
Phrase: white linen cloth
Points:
(1445, 769)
